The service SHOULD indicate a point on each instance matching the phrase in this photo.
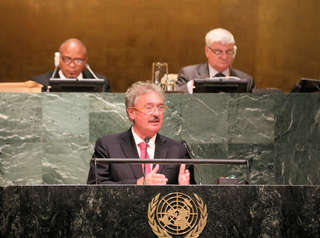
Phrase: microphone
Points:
(56, 63)
(188, 149)
(191, 156)
(146, 140)
(88, 67)
(56, 59)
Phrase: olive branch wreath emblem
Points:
(161, 233)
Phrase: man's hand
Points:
(184, 175)
(153, 178)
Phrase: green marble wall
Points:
(49, 138)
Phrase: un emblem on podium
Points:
(177, 214)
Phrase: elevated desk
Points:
(21, 87)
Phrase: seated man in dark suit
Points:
(306, 85)
(72, 64)
(220, 51)
(145, 107)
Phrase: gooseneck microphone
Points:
(146, 140)
(56, 63)
(190, 154)
(90, 70)
(188, 149)
(56, 66)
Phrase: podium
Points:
(135, 211)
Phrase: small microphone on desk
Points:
(146, 140)
(190, 154)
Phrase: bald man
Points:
(72, 64)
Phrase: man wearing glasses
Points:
(72, 65)
(145, 107)
(220, 51)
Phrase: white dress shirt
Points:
(213, 72)
(150, 147)
(80, 76)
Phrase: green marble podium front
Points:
(122, 211)
(49, 138)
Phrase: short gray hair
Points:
(219, 35)
(139, 88)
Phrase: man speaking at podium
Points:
(70, 63)
(220, 51)
(145, 107)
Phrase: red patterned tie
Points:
(144, 155)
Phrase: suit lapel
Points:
(160, 150)
(203, 71)
(87, 75)
(232, 73)
(56, 74)
(129, 149)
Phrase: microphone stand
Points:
(192, 157)
(146, 140)
(56, 65)
(90, 70)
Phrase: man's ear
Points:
(206, 50)
(234, 51)
(131, 113)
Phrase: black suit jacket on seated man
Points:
(123, 146)
(44, 79)
(201, 71)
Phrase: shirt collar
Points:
(138, 140)
(213, 72)
(80, 76)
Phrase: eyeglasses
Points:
(68, 60)
(220, 52)
(149, 109)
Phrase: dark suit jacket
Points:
(44, 79)
(123, 146)
(305, 87)
(201, 71)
